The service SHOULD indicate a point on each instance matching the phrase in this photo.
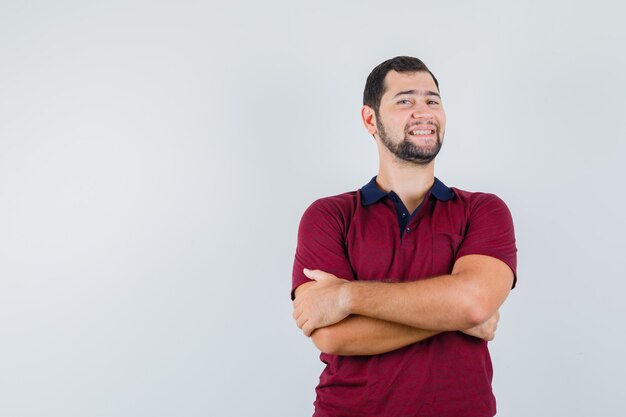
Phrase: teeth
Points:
(421, 132)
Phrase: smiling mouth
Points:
(422, 132)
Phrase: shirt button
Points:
(408, 229)
(403, 214)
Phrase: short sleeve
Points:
(321, 243)
(490, 231)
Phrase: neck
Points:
(410, 181)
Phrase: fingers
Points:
(296, 313)
(492, 326)
(306, 324)
(301, 321)
(308, 304)
(308, 328)
(298, 316)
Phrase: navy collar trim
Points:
(371, 193)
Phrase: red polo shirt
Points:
(369, 235)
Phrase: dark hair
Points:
(375, 84)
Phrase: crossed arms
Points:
(366, 318)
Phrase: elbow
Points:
(477, 315)
(478, 310)
(326, 340)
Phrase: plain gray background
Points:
(156, 157)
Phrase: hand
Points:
(486, 330)
(322, 304)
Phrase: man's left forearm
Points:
(470, 295)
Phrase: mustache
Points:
(424, 123)
(433, 124)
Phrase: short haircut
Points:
(375, 84)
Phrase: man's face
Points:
(411, 120)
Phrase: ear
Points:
(368, 115)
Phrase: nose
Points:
(422, 111)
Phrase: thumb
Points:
(314, 274)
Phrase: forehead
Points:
(404, 81)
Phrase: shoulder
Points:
(332, 213)
(472, 200)
(340, 206)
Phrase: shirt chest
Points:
(426, 247)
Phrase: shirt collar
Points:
(371, 193)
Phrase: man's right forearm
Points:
(360, 335)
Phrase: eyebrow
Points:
(418, 92)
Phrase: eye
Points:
(404, 101)
(433, 102)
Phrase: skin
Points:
(364, 318)
(361, 335)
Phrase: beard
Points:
(407, 150)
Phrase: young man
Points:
(399, 283)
